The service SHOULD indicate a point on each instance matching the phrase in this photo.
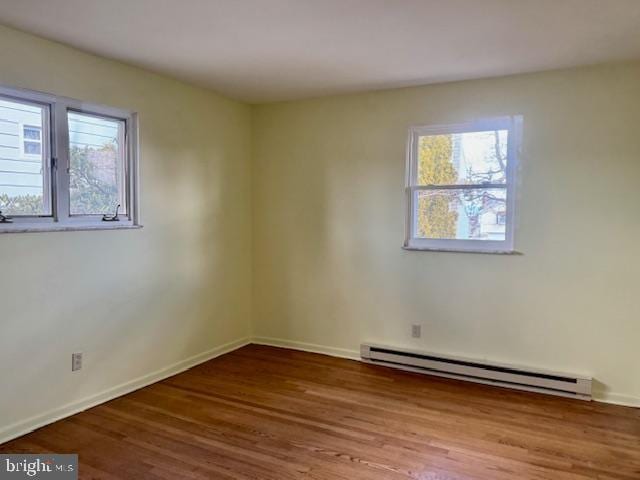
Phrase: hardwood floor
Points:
(268, 413)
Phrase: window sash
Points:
(123, 155)
(485, 125)
(55, 140)
(42, 158)
(513, 125)
(497, 246)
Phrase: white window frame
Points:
(513, 124)
(56, 165)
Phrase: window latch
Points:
(111, 218)
(5, 219)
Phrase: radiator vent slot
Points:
(509, 376)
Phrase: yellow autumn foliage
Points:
(435, 167)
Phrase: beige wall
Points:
(132, 301)
(328, 183)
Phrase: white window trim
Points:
(55, 144)
(511, 123)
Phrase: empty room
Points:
(320, 239)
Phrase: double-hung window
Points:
(65, 164)
(461, 186)
(32, 140)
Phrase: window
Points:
(32, 140)
(97, 176)
(65, 164)
(460, 186)
(24, 169)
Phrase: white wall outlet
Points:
(76, 361)
(416, 331)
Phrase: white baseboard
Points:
(604, 397)
(23, 427)
(616, 399)
(307, 347)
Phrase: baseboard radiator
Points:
(553, 383)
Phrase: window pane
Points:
(32, 148)
(462, 158)
(469, 214)
(31, 133)
(24, 176)
(96, 164)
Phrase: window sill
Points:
(64, 228)
(461, 250)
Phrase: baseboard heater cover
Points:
(520, 378)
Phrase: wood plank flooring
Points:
(269, 413)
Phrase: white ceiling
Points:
(266, 50)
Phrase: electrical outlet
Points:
(76, 361)
(416, 331)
